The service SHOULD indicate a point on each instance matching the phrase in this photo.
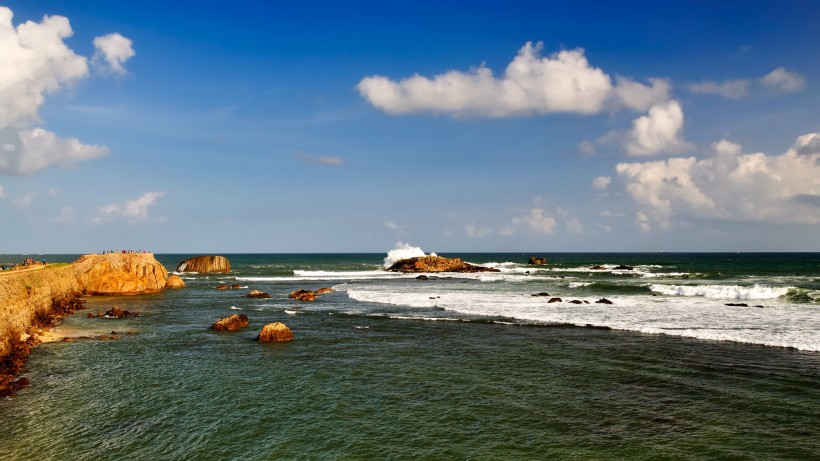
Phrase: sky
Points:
(453, 126)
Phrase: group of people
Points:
(25, 263)
(125, 252)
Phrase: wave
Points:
(402, 251)
(701, 318)
(722, 291)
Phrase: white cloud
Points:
(67, 215)
(587, 148)
(2, 192)
(53, 192)
(35, 62)
(601, 182)
(574, 225)
(639, 97)
(730, 185)
(658, 131)
(476, 232)
(732, 89)
(320, 159)
(642, 221)
(112, 51)
(24, 201)
(784, 80)
(37, 149)
(563, 82)
(535, 222)
(391, 225)
(132, 210)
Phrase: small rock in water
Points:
(554, 300)
(543, 293)
(236, 286)
(257, 294)
(231, 323)
(737, 304)
(576, 301)
(274, 332)
(422, 277)
(603, 301)
(623, 267)
(221, 287)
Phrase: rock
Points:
(236, 286)
(174, 282)
(231, 323)
(554, 300)
(89, 315)
(323, 290)
(205, 265)
(535, 260)
(623, 267)
(543, 293)
(422, 277)
(221, 287)
(257, 294)
(117, 313)
(303, 295)
(603, 301)
(738, 304)
(274, 332)
(597, 267)
(436, 264)
(120, 274)
(576, 301)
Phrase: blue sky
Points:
(326, 127)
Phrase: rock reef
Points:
(231, 323)
(274, 332)
(205, 265)
(436, 264)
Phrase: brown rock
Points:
(303, 295)
(576, 301)
(174, 281)
(554, 300)
(603, 301)
(423, 277)
(597, 267)
(323, 290)
(274, 332)
(436, 264)
(536, 260)
(543, 293)
(117, 313)
(205, 265)
(221, 287)
(236, 286)
(120, 274)
(231, 323)
(257, 294)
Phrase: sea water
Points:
(462, 366)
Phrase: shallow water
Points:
(372, 380)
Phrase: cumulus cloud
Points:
(563, 82)
(320, 159)
(477, 232)
(732, 89)
(657, 132)
(534, 222)
(780, 79)
(67, 215)
(35, 62)
(391, 225)
(24, 201)
(132, 210)
(112, 51)
(783, 80)
(601, 182)
(729, 185)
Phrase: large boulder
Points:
(274, 332)
(120, 274)
(205, 265)
(436, 264)
(257, 294)
(174, 281)
(231, 323)
(537, 260)
(303, 295)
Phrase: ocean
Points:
(461, 366)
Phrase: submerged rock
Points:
(623, 267)
(576, 301)
(231, 323)
(257, 294)
(603, 301)
(222, 287)
(117, 313)
(739, 305)
(274, 332)
(174, 281)
(543, 293)
(554, 300)
(205, 265)
(437, 264)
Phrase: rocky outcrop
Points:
(536, 260)
(436, 264)
(205, 265)
(257, 294)
(303, 295)
(623, 267)
(231, 323)
(174, 282)
(120, 274)
(274, 332)
(222, 287)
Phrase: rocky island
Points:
(432, 263)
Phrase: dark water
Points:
(363, 381)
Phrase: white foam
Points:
(578, 284)
(402, 251)
(779, 324)
(236, 308)
(722, 291)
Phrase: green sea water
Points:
(378, 370)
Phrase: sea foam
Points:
(403, 251)
(722, 291)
